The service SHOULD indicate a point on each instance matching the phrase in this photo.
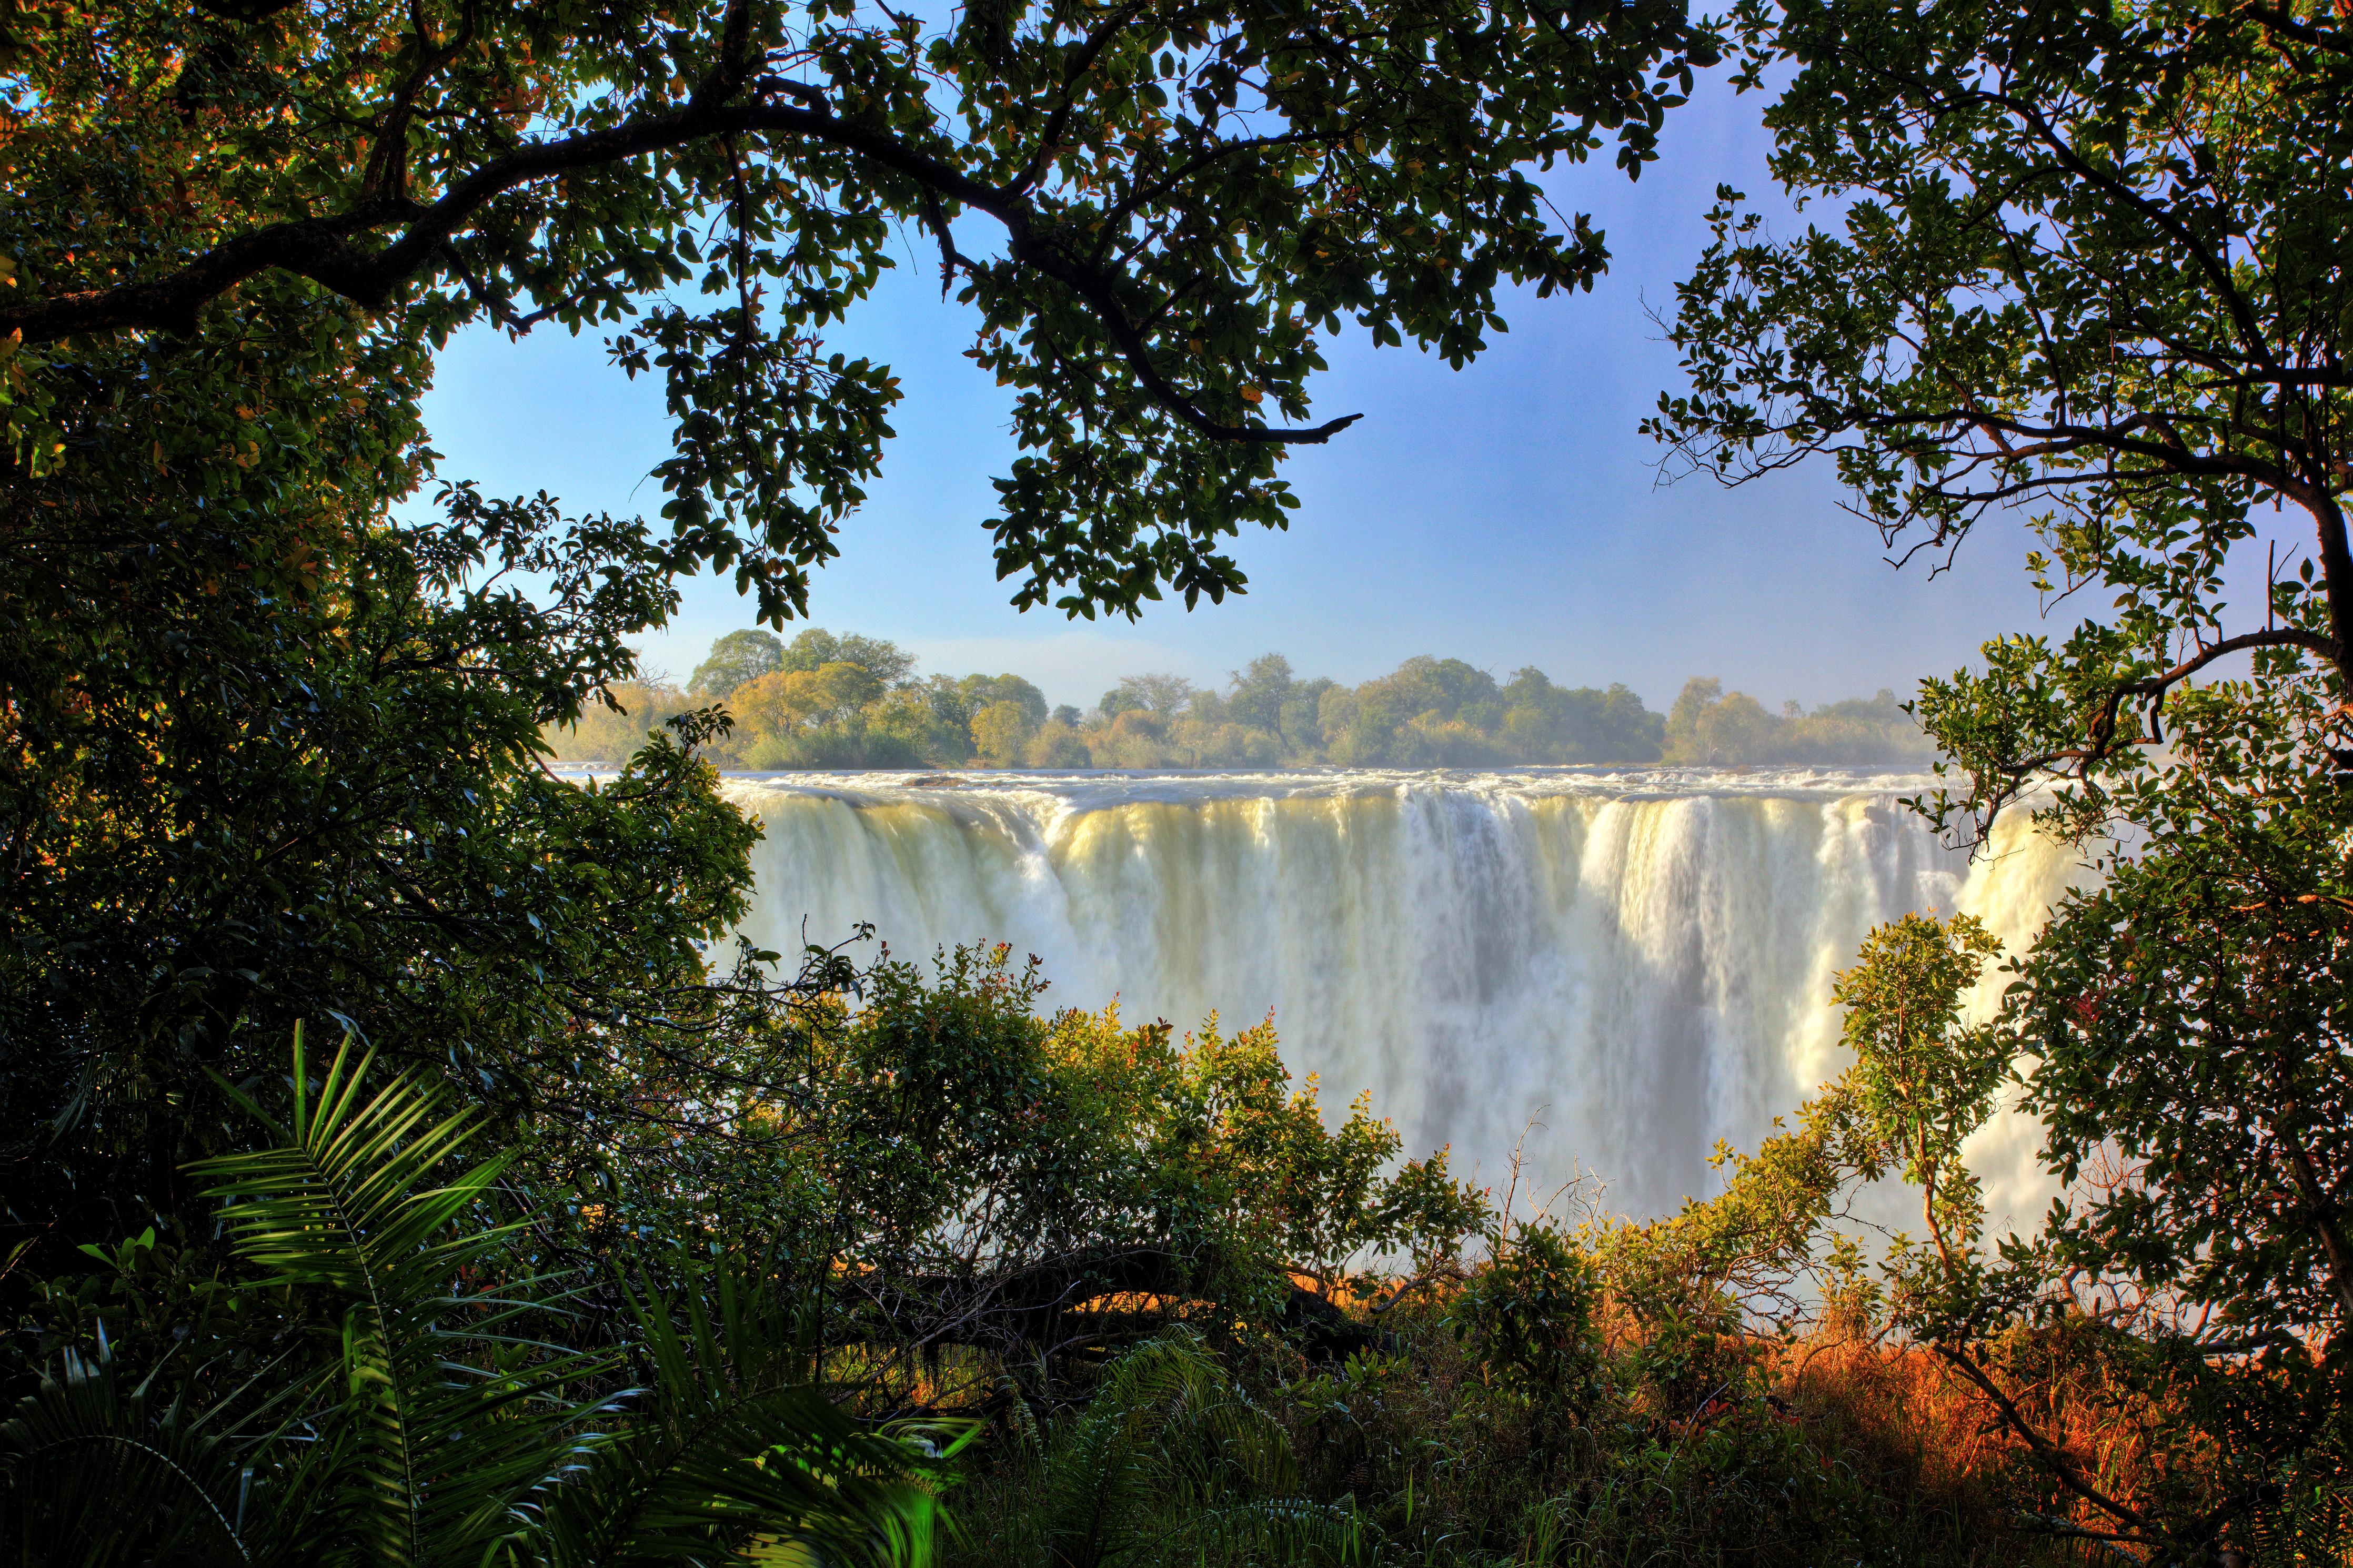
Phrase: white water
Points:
(1636, 960)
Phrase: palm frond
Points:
(437, 1433)
(731, 1454)
(91, 1475)
(431, 1456)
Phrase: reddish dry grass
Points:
(1917, 1426)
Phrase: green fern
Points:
(1171, 1462)
(422, 1456)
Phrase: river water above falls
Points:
(1631, 962)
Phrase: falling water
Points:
(1620, 966)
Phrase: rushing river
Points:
(1623, 965)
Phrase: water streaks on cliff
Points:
(1637, 960)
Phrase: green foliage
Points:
(2093, 263)
(1770, 1245)
(1001, 734)
(1708, 726)
(1531, 1320)
(256, 787)
(412, 1415)
(816, 647)
(2191, 1008)
(1922, 1083)
(980, 1171)
(736, 659)
(717, 185)
(1428, 712)
(1168, 1462)
(1432, 1453)
(97, 1474)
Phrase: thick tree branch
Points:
(2322, 1209)
(2100, 738)
(2052, 1457)
(1025, 1306)
(2304, 32)
(2156, 686)
(387, 165)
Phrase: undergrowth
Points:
(1697, 1447)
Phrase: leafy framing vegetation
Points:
(271, 753)
(1182, 203)
(413, 1405)
(1155, 1277)
(2091, 262)
(270, 756)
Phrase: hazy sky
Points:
(1507, 514)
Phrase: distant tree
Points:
(909, 718)
(1066, 714)
(1259, 695)
(1861, 729)
(1710, 725)
(1619, 729)
(1207, 707)
(813, 646)
(980, 691)
(1426, 685)
(1140, 721)
(1057, 744)
(1707, 725)
(1001, 734)
(816, 647)
(1166, 695)
(1358, 726)
(792, 699)
(1303, 717)
(1547, 723)
(735, 658)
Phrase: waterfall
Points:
(1616, 966)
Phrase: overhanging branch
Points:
(327, 250)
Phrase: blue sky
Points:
(1507, 514)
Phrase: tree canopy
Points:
(865, 709)
(1156, 211)
(2092, 262)
(736, 659)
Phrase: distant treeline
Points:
(827, 701)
